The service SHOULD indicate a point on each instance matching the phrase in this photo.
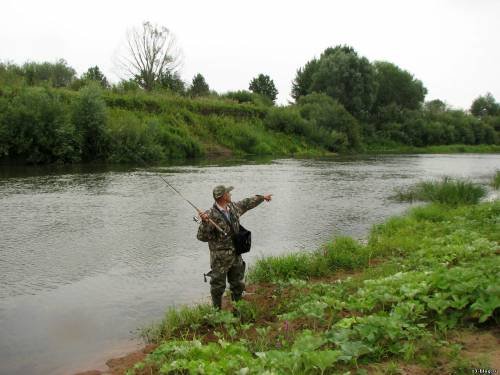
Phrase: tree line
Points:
(341, 102)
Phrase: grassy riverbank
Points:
(41, 125)
(406, 299)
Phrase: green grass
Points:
(184, 321)
(446, 191)
(495, 182)
(343, 253)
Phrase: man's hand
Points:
(268, 197)
(203, 216)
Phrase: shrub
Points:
(328, 114)
(287, 120)
(247, 97)
(35, 127)
(89, 118)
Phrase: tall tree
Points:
(485, 106)
(199, 86)
(264, 85)
(343, 75)
(302, 83)
(151, 53)
(436, 105)
(397, 86)
(95, 74)
(171, 81)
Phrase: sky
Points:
(452, 46)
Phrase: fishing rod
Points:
(180, 194)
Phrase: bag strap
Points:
(225, 218)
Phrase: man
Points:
(224, 262)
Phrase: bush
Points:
(35, 127)
(247, 97)
(89, 118)
(287, 120)
(328, 114)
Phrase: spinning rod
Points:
(179, 193)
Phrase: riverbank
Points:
(42, 125)
(420, 296)
(441, 149)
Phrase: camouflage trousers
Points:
(225, 264)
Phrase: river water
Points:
(89, 254)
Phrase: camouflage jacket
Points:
(216, 240)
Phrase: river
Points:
(88, 254)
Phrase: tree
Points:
(485, 106)
(11, 75)
(264, 85)
(95, 74)
(58, 74)
(151, 54)
(302, 83)
(397, 86)
(344, 76)
(129, 85)
(172, 82)
(435, 105)
(199, 86)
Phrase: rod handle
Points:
(214, 224)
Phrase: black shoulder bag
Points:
(242, 240)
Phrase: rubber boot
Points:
(217, 302)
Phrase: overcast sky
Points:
(451, 45)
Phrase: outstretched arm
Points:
(252, 202)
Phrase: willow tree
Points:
(150, 53)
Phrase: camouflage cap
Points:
(219, 190)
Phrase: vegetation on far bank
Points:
(351, 307)
(343, 103)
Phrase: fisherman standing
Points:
(225, 262)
